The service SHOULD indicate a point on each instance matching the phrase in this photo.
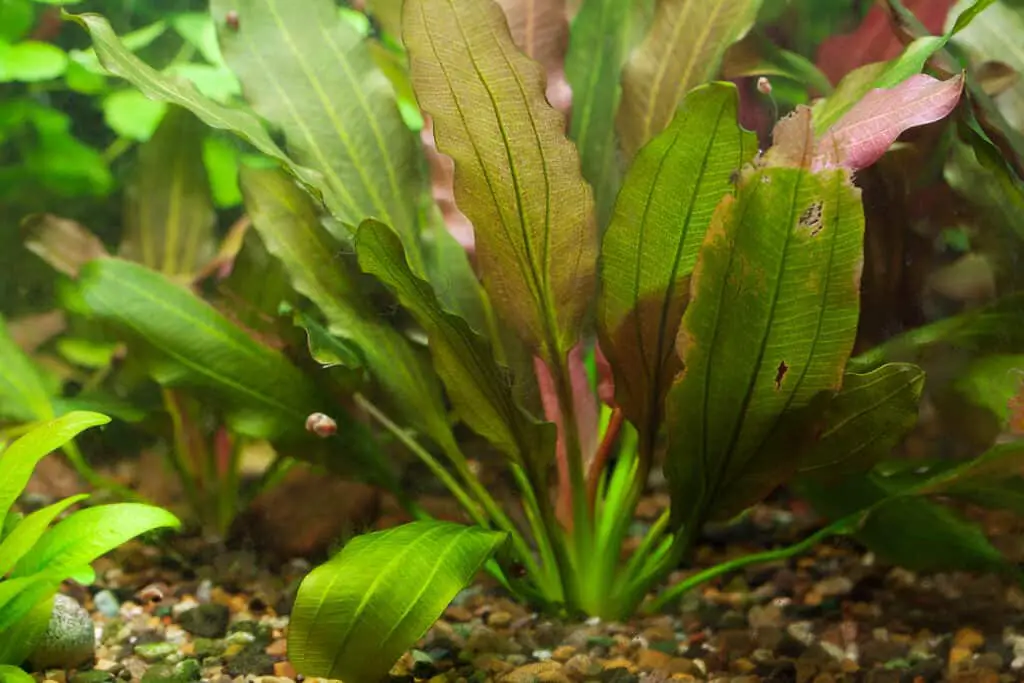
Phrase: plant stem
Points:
(841, 527)
(601, 457)
(551, 577)
(439, 471)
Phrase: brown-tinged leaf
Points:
(540, 29)
(168, 214)
(651, 245)
(64, 244)
(768, 331)
(684, 49)
(516, 176)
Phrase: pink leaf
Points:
(870, 127)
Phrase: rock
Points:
(653, 660)
(92, 677)
(306, 513)
(69, 640)
(106, 603)
(251, 661)
(968, 639)
(926, 670)
(206, 621)
(538, 672)
(155, 652)
(881, 651)
(582, 667)
(185, 671)
(499, 620)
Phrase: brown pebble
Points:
(582, 667)
(969, 639)
(653, 660)
(458, 614)
(284, 670)
(278, 648)
(499, 619)
(618, 663)
(538, 672)
(563, 653)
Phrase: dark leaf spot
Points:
(231, 19)
(780, 373)
(811, 218)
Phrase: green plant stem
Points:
(491, 507)
(552, 582)
(638, 560)
(430, 461)
(841, 527)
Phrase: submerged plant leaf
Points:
(312, 75)
(540, 29)
(770, 325)
(25, 393)
(650, 247)
(685, 48)
(603, 33)
(169, 214)
(356, 614)
(188, 344)
(29, 530)
(516, 176)
(287, 220)
(14, 674)
(869, 128)
(866, 420)
(20, 458)
(997, 327)
(88, 534)
(478, 387)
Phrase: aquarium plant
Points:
(36, 555)
(645, 287)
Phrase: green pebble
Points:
(92, 677)
(155, 652)
(186, 671)
(207, 647)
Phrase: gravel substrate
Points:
(839, 614)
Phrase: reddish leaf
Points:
(540, 28)
(875, 40)
(585, 405)
(865, 132)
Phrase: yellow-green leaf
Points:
(685, 48)
(313, 76)
(769, 328)
(517, 178)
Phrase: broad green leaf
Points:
(997, 327)
(910, 531)
(30, 530)
(18, 642)
(13, 674)
(197, 28)
(866, 420)
(116, 56)
(478, 387)
(756, 55)
(517, 178)
(88, 534)
(312, 76)
(650, 248)
(169, 214)
(31, 61)
(356, 614)
(132, 115)
(685, 47)
(189, 344)
(25, 393)
(603, 33)
(222, 159)
(540, 29)
(999, 462)
(16, 19)
(20, 458)
(20, 596)
(216, 82)
(287, 221)
(770, 325)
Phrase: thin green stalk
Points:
(552, 580)
(638, 560)
(439, 471)
(841, 527)
(491, 507)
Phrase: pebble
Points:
(538, 672)
(69, 639)
(106, 603)
(155, 652)
(208, 621)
